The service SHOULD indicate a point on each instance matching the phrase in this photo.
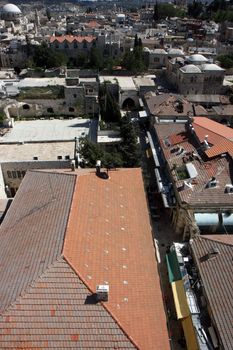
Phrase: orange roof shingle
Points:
(109, 241)
(71, 38)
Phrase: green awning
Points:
(173, 267)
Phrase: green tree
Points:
(195, 9)
(48, 14)
(156, 12)
(109, 108)
(90, 152)
(46, 57)
(129, 147)
(226, 61)
(96, 58)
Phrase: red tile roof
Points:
(219, 136)
(50, 265)
(215, 127)
(71, 38)
(109, 241)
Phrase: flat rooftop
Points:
(125, 83)
(40, 82)
(46, 130)
(45, 151)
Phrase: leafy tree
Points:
(90, 152)
(226, 61)
(48, 14)
(129, 146)
(195, 9)
(135, 40)
(96, 58)
(156, 12)
(46, 57)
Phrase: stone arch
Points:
(128, 104)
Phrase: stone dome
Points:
(11, 9)
(177, 52)
(190, 68)
(211, 67)
(197, 58)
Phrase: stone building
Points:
(194, 164)
(195, 75)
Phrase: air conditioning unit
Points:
(229, 188)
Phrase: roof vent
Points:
(229, 188)
(212, 183)
(98, 166)
(102, 292)
(214, 251)
(205, 142)
(180, 151)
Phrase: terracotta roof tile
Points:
(71, 38)
(54, 313)
(47, 302)
(219, 167)
(109, 241)
(41, 204)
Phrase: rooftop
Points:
(180, 148)
(64, 234)
(46, 130)
(217, 271)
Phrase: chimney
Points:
(102, 292)
(72, 165)
(98, 167)
(205, 142)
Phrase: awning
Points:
(189, 333)
(174, 273)
(206, 219)
(227, 219)
(180, 300)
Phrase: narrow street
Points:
(163, 236)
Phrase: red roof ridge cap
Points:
(102, 304)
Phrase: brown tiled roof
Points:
(220, 167)
(54, 312)
(32, 233)
(50, 265)
(214, 127)
(217, 277)
(72, 38)
(109, 241)
(219, 136)
(164, 105)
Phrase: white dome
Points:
(211, 66)
(197, 58)
(160, 51)
(146, 49)
(11, 8)
(190, 68)
(176, 52)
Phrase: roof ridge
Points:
(214, 132)
(217, 239)
(102, 304)
(31, 285)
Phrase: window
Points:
(14, 174)
(84, 45)
(74, 95)
(59, 157)
(156, 59)
(50, 110)
(67, 157)
(71, 109)
(75, 45)
(26, 107)
(19, 174)
(9, 174)
(35, 158)
(23, 173)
